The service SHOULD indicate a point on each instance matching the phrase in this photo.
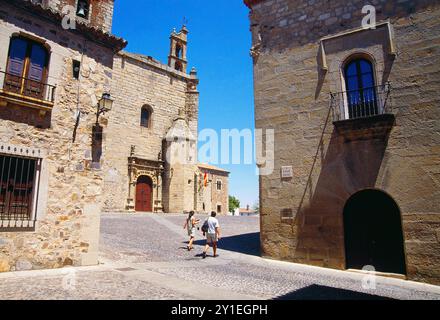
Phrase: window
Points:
(82, 9)
(219, 185)
(178, 66)
(361, 90)
(26, 69)
(178, 51)
(18, 177)
(219, 209)
(146, 114)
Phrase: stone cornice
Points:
(158, 65)
(251, 3)
(91, 33)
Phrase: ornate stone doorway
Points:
(144, 194)
(373, 233)
(139, 170)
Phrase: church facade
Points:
(151, 141)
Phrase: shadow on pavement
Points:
(317, 292)
(244, 243)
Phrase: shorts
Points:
(211, 237)
(192, 232)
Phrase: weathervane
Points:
(184, 21)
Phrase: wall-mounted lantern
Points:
(104, 105)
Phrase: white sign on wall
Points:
(287, 172)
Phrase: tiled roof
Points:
(210, 167)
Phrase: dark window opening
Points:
(219, 209)
(17, 188)
(219, 185)
(361, 90)
(76, 68)
(178, 51)
(146, 117)
(82, 9)
(178, 66)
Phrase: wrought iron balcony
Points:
(26, 92)
(363, 103)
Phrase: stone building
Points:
(213, 189)
(357, 144)
(86, 127)
(152, 140)
(51, 81)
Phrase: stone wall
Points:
(70, 198)
(101, 12)
(292, 96)
(208, 197)
(220, 197)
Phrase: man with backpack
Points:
(211, 228)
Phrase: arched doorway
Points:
(373, 233)
(144, 194)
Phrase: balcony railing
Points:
(365, 103)
(18, 86)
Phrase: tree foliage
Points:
(234, 203)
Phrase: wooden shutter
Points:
(36, 70)
(16, 65)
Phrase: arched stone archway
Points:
(373, 232)
(144, 194)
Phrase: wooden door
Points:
(144, 194)
(373, 233)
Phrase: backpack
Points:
(205, 227)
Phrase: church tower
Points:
(180, 150)
(178, 48)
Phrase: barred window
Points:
(18, 189)
(219, 185)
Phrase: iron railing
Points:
(18, 188)
(27, 87)
(363, 103)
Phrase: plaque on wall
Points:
(287, 172)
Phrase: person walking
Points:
(212, 228)
(191, 225)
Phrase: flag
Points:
(205, 180)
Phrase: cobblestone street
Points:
(145, 257)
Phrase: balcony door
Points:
(26, 70)
(361, 90)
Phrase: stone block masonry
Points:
(70, 192)
(292, 89)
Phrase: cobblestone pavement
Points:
(144, 257)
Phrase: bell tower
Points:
(178, 48)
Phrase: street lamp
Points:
(104, 105)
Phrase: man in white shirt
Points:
(213, 234)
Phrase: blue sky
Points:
(219, 43)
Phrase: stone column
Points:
(159, 207)
(131, 190)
